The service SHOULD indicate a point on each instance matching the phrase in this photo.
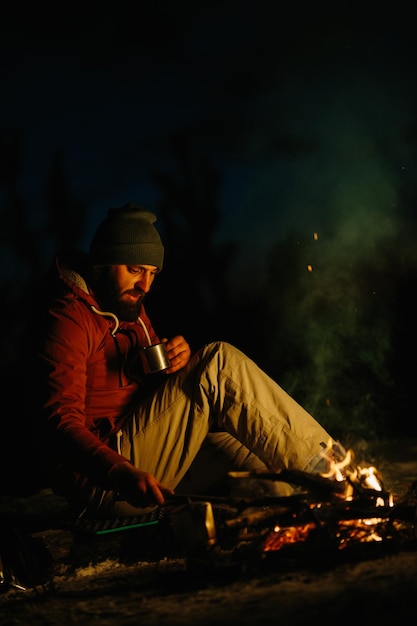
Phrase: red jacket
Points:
(89, 376)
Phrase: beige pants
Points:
(220, 413)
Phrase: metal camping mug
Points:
(155, 358)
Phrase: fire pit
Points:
(332, 516)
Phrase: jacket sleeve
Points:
(66, 436)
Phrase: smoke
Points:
(343, 253)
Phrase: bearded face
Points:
(122, 298)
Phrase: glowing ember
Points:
(281, 537)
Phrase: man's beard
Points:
(107, 293)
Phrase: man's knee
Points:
(223, 350)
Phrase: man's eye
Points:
(142, 271)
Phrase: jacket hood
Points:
(72, 269)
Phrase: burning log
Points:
(318, 484)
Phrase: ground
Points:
(378, 585)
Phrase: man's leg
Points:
(254, 409)
(219, 454)
(221, 389)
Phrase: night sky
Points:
(308, 115)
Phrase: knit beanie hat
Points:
(127, 236)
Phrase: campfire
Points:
(343, 511)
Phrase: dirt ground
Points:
(376, 585)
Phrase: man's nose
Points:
(144, 282)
